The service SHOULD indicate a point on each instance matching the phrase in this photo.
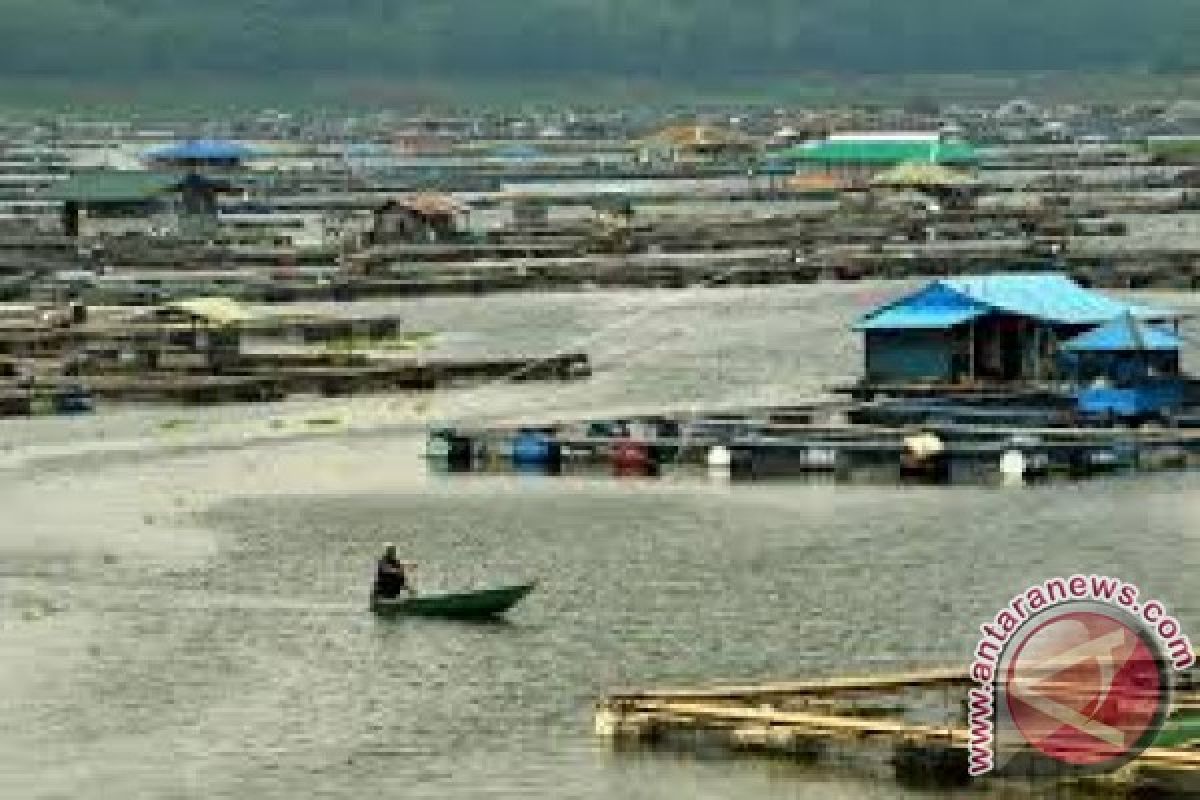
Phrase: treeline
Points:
(662, 39)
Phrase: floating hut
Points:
(1127, 368)
(115, 202)
(859, 156)
(1004, 329)
(693, 142)
(424, 217)
(924, 177)
(200, 154)
(951, 187)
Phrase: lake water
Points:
(182, 592)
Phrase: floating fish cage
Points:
(755, 446)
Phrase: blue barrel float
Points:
(536, 450)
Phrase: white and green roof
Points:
(881, 150)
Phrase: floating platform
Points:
(257, 379)
(911, 724)
(970, 448)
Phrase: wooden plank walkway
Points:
(929, 678)
(812, 718)
(814, 725)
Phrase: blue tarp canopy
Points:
(1048, 297)
(901, 318)
(1125, 334)
(201, 150)
(936, 307)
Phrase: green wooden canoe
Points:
(478, 604)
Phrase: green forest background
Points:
(372, 43)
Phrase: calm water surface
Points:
(181, 593)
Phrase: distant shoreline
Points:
(204, 93)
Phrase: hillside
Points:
(660, 39)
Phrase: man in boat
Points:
(391, 576)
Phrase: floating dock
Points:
(911, 724)
(274, 378)
(974, 447)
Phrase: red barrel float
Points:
(631, 457)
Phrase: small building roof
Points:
(697, 136)
(220, 311)
(881, 151)
(1048, 297)
(817, 182)
(1051, 297)
(429, 204)
(1125, 334)
(201, 150)
(926, 318)
(112, 186)
(923, 175)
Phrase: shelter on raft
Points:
(1126, 368)
(200, 154)
(420, 218)
(1009, 329)
(208, 326)
(694, 143)
(856, 158)
(97, 203)
(950, 187)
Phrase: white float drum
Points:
(719, 457)
(1013, 465)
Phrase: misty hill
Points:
(662, 39)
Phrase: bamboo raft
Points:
(261, 379)
(854, 721)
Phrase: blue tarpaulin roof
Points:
(201, 150)
(1124, 334)
(901, 318)
(1049, 297)
(935, 307)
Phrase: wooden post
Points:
(1037, 352)
(971, 355)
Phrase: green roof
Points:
(881, 152)
(111, 186)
